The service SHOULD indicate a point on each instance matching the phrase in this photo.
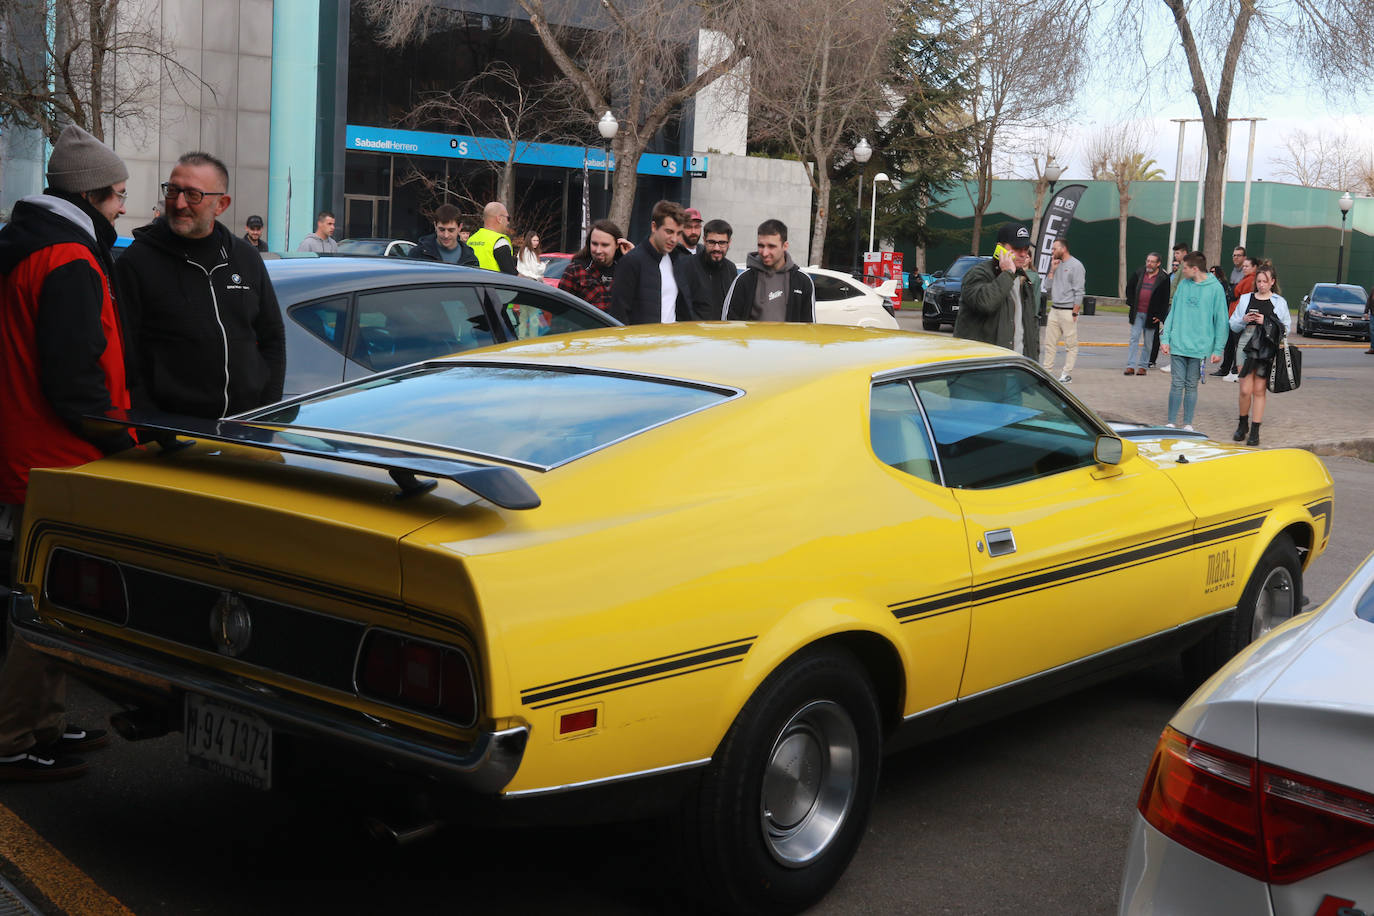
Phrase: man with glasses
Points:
(715, 271)
(209, 331)
(62, 355)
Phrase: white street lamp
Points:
(862, 153)
(608, 126)
(1052, 172)
(1346, 202)
(873, 211)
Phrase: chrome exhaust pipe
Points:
(139, 724)
(401, 836)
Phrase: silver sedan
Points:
(1260, 795)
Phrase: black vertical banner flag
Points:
(1055, 222)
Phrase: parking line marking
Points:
(53, 874)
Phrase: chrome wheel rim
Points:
(1275, 602)
(809, 783)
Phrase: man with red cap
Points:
(691, 231)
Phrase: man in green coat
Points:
(1001, 296)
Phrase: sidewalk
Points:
(1331, 414)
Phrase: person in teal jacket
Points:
(1195, 330)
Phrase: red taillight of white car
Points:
(1265, 822)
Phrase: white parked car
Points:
(1260, 796)
(840, 299)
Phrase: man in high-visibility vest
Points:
(490, 244)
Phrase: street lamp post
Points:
(608, 126)
(1346, 202)
(862, 153)
(873, 211)
(1052, 172)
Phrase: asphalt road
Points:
(1029, 815)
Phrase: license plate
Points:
(232, 742)
(1343, 323)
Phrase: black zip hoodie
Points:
(209, 330)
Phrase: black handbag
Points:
(1287, 372)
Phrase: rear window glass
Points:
(540, 417)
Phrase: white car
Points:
(840, 299)
(1260, 796)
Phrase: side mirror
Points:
(1113, 450)
(938, 274)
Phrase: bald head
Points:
(495, 217)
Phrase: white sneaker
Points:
(1233, 377)
(1188, 427)
(1170, 426)
(1163, 368)
(1066, 378)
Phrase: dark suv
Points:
(941, 302)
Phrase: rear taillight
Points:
(427, 677)
(88, 585)
(1271, 824)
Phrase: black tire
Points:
(1272, 595)
(929, 325)
(755, 844)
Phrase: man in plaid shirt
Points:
(592, 269)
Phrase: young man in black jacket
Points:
(445, 242)
(715, 272)
(200, 303)
(655, 282)
(773, 287)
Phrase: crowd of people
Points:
(1193, 316)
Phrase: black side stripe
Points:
(641, 672)
(365, 600)
(1323, 509)
(664, 677)
(1061, 574)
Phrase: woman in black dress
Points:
(1262, 318)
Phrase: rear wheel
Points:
(1272, 595)
(783, 805)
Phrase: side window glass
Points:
(528, 314)
(831, 289)
(897, 432)
(1000, 426)
(324, 319)
(405, 325)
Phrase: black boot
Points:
(1242, 428)
(1254, 434)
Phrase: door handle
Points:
(1000, 542)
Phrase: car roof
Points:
(1350, 286)
(755, 356)
(297, 279)
(826, 272)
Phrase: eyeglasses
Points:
(122, 195)
(193, 195)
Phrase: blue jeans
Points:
(1183, 386)
(1142, 333)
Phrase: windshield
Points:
(961, 267)
(554, 267)
(540, 417)
(1338, 295)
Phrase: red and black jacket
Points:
(62, 345)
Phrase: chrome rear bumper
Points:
(485, 766)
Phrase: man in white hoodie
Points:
(772, 287)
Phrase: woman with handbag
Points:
(1262, 319)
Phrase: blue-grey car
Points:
(347, 317)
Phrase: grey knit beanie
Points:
(80, 162)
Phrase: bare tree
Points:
(62, 70)
(1052, 147)
(497, 101)
(1027, 59)
(1327, 43)
(633, 57)
(820, 71)
(1115, 154)
(1323, 159)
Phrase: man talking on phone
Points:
(1000, 296)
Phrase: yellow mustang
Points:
(718, 567)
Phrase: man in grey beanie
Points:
(62, 355)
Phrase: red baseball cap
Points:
(694, 213)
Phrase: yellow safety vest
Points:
(483, 245)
